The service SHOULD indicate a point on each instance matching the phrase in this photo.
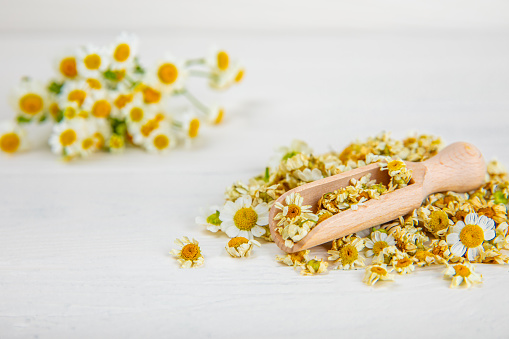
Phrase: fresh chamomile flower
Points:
(152, 93)
(123, 51)
(160, 141)
(239, 247)
(462, 273)
(209, 217)
(221, 80)
(66, 136)
(99, 104)
(95, 83)
(348, 255)
(121, 97)
(294, 210)
(375, 273)
(378, 241)
(215, 115)
(29, 99)
(467, 238)
(102, 133)
(92, 61)
(66, 66)
(116, 143)
(189, 253)
(297, 259)
(188, 127)
(315, 266)
(87, 145)
(12, 137)
(218, 60)
(171, 73)
(74, 91)
(242, 219)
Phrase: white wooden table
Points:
(84, 246)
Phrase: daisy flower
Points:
(74, 91)
(136, 113)
(293, 210)
(218, 60)
(152, 93)
(298, 259)
(94, 83)
(171, 73)
(468, 237)
(102, 132)
(242, 219)
(240, 247)
(378, 241)
(215, 115)
(210, 218)
(92, 61)
(188, 127)
(123, 51)
(315, 266)
(121, 98)
(12, 138)
(348, 254)
(116, 144)
(189, 254)
(66, 66)
(374, 273)
(99, 104)
(462, 273)
(160, 141)
(29, 99)
(66, 137)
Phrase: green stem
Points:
(199, 61)
(195, 101)
(202, 74)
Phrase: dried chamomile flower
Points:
(297, 259)
(210, 218)
(497, 212)
(403, 264)
(347, 255)
(437, 223)
(463, 273)
(377, 242)
(314, 266)
(293, 210)
(424, 258)
(441, 250)
(493, 255)
(399, 173)
(375, 273)
(189, 254)
(242, 219)
(501, 240)
(467, 238)
(240, 247)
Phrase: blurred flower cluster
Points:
(103, 98)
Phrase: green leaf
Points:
(60, 116)
(267, 175)
(43, 118)
(55, 87)
(289, 155)
(110, 75)
(22, 120)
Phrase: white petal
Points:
(489, 234)
(245, 234)
(258, 231)
(458, 249)
(472, 253)
(458, 227)
(453, 238)
(471, 219)
(231, 231)
(486, 223)
(262, 221)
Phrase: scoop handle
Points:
(459, 167)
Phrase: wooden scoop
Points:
(459, 167)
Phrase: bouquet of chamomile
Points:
(103, 98)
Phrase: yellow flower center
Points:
(421, 255)
(194, 126)
(122, 52)
(151, 95)
(149, 127)
(87, 143)
(219, 117)
(379, 246)
(293, 211)
(159, 117)
(122, 100)
(101, 109)
(136, 114)
(348, 254)
(99, 140)
(487, 211)
(190, 252)
(168, 73)
(54, 109)
(78, 96)
(68, 67)
(462, 270)
(67, 137)
(222, 60)
(69, 113)
(402, 263)
(245, 218)
(83, 114)
(395, 165)
(472, 236)
(239, 76)
(237, 241)
(438, 221)
(92, 61)
(161, 142)
(31, 103)
(9, 142)
(379, 270)
(94, 83)
(116, 142)
(298, 257)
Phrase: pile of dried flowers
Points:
(103, 98)
(450, 229)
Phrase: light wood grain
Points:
(459, 167)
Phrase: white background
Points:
(84, 246)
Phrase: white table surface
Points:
(84, 246)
